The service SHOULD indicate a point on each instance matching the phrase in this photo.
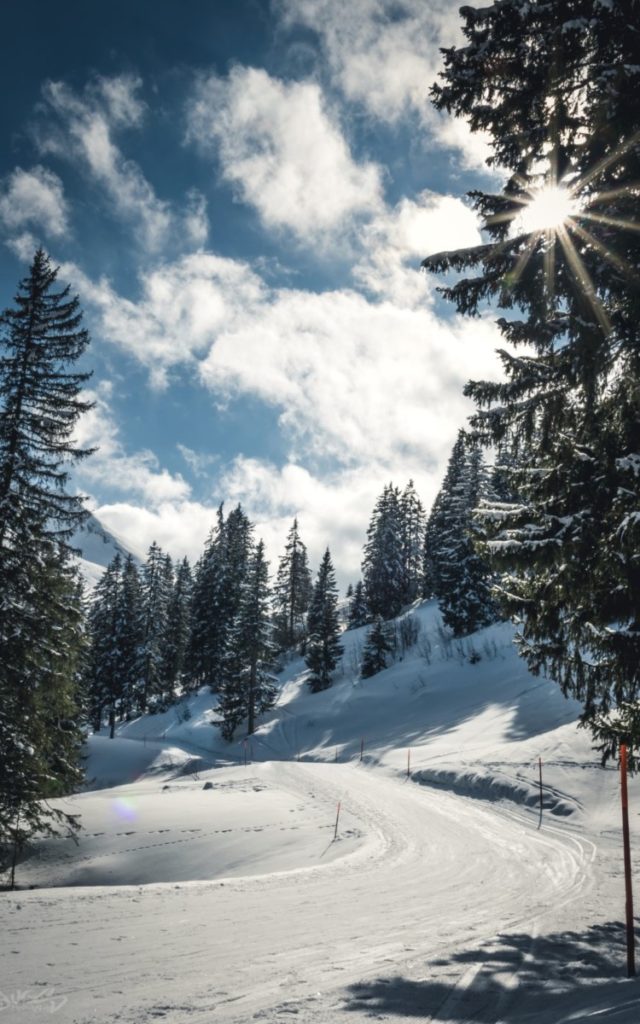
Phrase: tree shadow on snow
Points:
(517, 978)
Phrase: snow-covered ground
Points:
(208, 889)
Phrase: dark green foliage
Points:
(323, 646)
(358, 610)
(383, 562)
(378, 649)
(456, 573)
(247, 689)
(292, 592)
(218, 586)
(554, 85)
(175, 644)
(41, 637)
(157, 585)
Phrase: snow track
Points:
(406, 923)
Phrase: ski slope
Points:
(444, 896)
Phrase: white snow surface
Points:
(97, 547)
(445, 895)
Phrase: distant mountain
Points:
(98, 547)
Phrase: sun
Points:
(548, 209)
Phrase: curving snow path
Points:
(429, 906)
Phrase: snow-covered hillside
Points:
(212, 884)
(98, 547)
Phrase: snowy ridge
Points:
(97, 547)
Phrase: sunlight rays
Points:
(556, 211)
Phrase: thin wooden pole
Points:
(335, 831)
(540, 771)
(631, 960)
(361, 748)
(409, 763)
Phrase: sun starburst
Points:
(556, 213)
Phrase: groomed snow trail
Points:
(400, 928)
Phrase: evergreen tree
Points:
(412, 526)
(459, 576)
(206, 641)
(292, 592)
(383, 567)
(218, 587)
(323, 646)
(378, 648)
(553, 85)
(175, 646)
(104, 661)
(156, 584)
(41, 339)
(130, 639)
(358, 611)
(247, 690)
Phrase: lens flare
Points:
(124, 809)
(548, 209)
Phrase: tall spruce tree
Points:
(412, 527)
(175, 645)
(459, 576)
(41, 340)
(383, 569)
(553, 85)
(247, 689)
(378, 648)
(292, 592)
(323, 645)
(358, 609)
(156, 591)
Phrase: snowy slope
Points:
(97, 548)
(445, 896)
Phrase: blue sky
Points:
(241, 194)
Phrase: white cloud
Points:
(353, 377)
(385, 55)
(81, 127)
(137, 474)
(34, 198)
(183, 307)
(396, 241)
(283, 150)
(179, 527)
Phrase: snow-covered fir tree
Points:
(458, 575)
(561, 113)
(156, 593)
(176, 641)
(218, 587)
(378, 648)
(358, 608)
(323, 645)
(383, 561)
(104, 683)
(247, 689)
(292, 592)
(412, 525)
(41, 339)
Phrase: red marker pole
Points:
(335, 831)
(631, 961)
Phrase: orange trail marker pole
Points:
(631, 961)
(335, 831)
